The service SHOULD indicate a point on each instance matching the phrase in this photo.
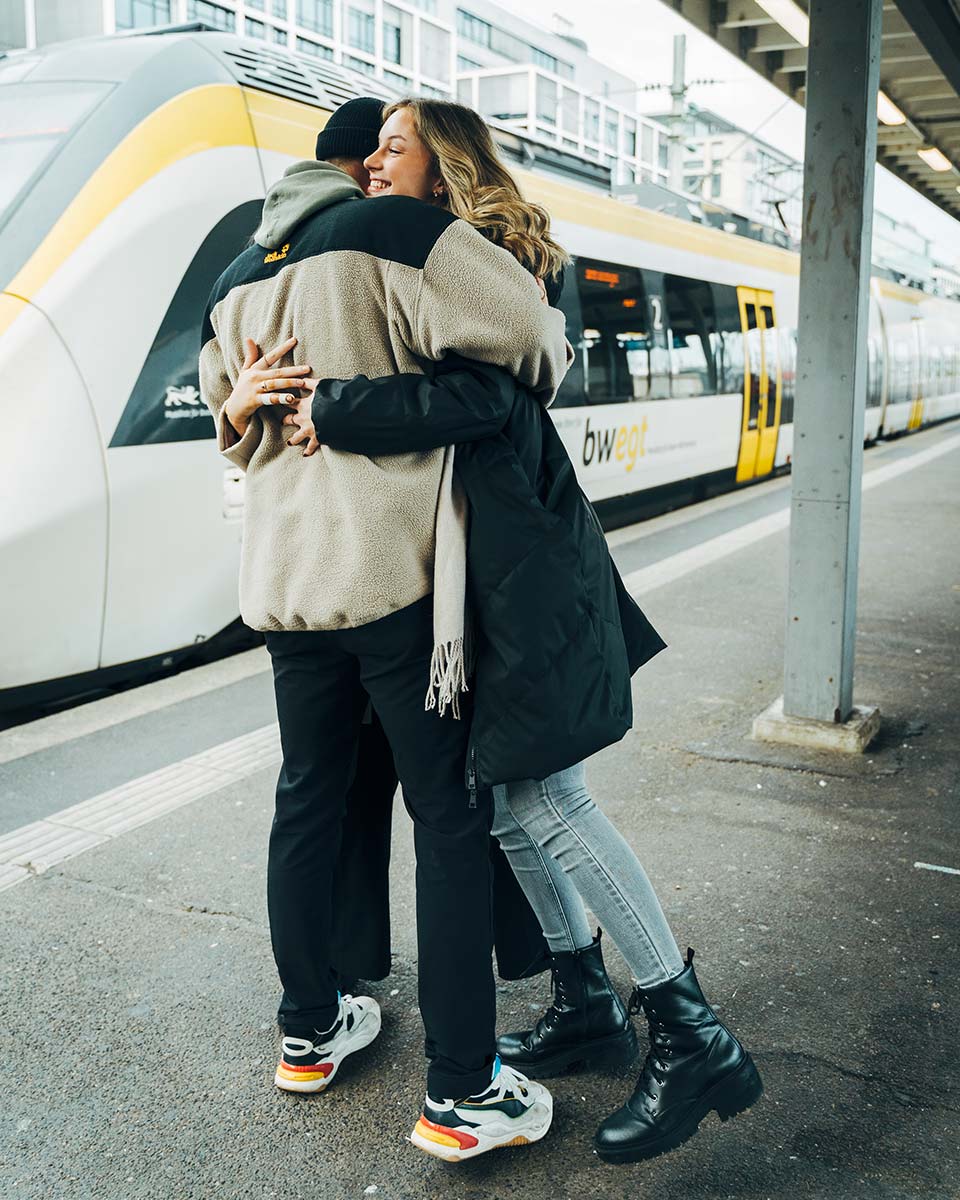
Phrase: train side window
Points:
(771, 356)
(693, 324)
(788, 373)
(874, 372)
(571, 392)
(616, 340)
(728, 339)
(900, 390)
(931, 370)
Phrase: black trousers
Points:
(361, 882)
(322, 680)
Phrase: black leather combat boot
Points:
(694, 1065)
(586, 1023)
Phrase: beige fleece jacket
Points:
(338, 540)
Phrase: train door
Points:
(920, 360)
(761, 384)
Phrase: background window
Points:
(397, 36)
(279, 8)
(359, 64)
(316, 15)
(591, 120)
(503, 96)
(646, 144)
(213, 14)
(280, 36)
(255, 29)
(361, 26)
(141, 14)
(540, 58)
(434, 52)
(472, 28)
(546, 100)
(306, 46)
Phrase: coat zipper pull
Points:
(472, 779)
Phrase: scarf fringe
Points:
(451, 665)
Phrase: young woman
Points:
(558, 641)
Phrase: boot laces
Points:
(552, 1015)
(655, 1066)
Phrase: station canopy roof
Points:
(919, 108)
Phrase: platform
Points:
(137, 1034)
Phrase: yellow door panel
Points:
(749, 430)
(761, 385)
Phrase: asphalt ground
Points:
(137, 1008)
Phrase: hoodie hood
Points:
(304, 189)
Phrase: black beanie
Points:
(353, 130)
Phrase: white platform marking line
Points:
(677, 565)
(34, 848)
(84, 719)
(934, 867)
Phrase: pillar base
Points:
(852, 737)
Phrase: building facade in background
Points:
(544, 84)
(724, 165)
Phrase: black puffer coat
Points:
(559, 636)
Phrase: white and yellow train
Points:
(132, 171)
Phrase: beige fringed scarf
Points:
(451, 664)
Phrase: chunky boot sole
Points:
(615, 1050)
(730, 1096)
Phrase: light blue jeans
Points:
(565, 853)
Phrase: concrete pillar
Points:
(841, 143)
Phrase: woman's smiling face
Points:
(401, 165)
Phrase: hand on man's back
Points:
(302, 419)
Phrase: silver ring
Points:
(263, 386)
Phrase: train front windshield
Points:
(35, 121)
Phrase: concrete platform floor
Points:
(136, 1011)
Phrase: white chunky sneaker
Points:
(310, 1066)
(513, 1111)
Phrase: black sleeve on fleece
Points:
(458, 401)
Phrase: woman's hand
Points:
(260, 383)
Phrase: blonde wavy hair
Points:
(479, 188)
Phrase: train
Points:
(133, 171)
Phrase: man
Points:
(348, 563)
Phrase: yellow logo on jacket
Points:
(276, 255)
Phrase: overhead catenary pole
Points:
(678, 94)
(841, 141)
